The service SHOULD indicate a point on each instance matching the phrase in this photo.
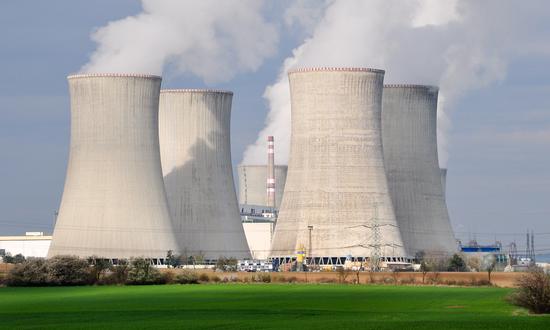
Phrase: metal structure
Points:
(252, 184)
(198, 176)
(336, 180)
(114, 204)
(409, 117)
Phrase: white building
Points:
(33, 244)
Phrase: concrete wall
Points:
(27, 246)
(198, 176)
(252, 184)
(336, 180)
(409, 119)
(258, 236)
(114, 204)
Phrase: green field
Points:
(253, 306)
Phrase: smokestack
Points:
(336, 201)
(270, 172)
(252, 184)
(409, 136)
(114, 204)
(198, 175)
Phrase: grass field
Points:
(275, 306)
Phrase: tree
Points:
(424, 268)
(533, 292)
(457, 263)
(489, 263)
(99, 266)
(18, 259)
(474, 263)
(68, 270)
(142, 272)
(172, 259)
(8, 259)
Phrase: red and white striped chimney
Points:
(270, 186)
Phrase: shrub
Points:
(533, 292)
(142, 272)
(167, 277)
(119, 272)
(457, 264)
(187, 277)
(215, 278)
(33, 272)
(99, 267)
(204, 277)
(226, 264)
(68, 270)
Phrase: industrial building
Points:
(114, 204)
(33, 244)
(194, 127)
(252, 184)
(409, 135)
(336, 204)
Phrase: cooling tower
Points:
(409, 135)
(252, 185)
(198, 176)
(336, 201)
(114, 204)
(444, 181)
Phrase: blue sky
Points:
(499, 145)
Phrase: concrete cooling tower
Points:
(114, 204)
(444, 181)
(336, 201)
(409, 119)
(252, 184)
(198, 176)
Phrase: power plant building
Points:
(114, 203)
(252, 184)
(336, 202)
(409, 120)
(198, 176)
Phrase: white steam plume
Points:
(211, 39)
(458, 45)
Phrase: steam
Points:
(459, 45)
(213, 40)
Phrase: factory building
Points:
(336, 202)
(252, 184)
(198, 176)
(409, 119)
(33, 244)
(114, 203)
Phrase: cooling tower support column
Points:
(409, 122)
(198, 176)
(336, 190)
(114, 204)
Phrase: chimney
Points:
(270, 184)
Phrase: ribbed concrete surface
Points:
(252, 184)
(196, 162)
(114, 204)
(409, 119)
(444, 181)
(336, 175)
